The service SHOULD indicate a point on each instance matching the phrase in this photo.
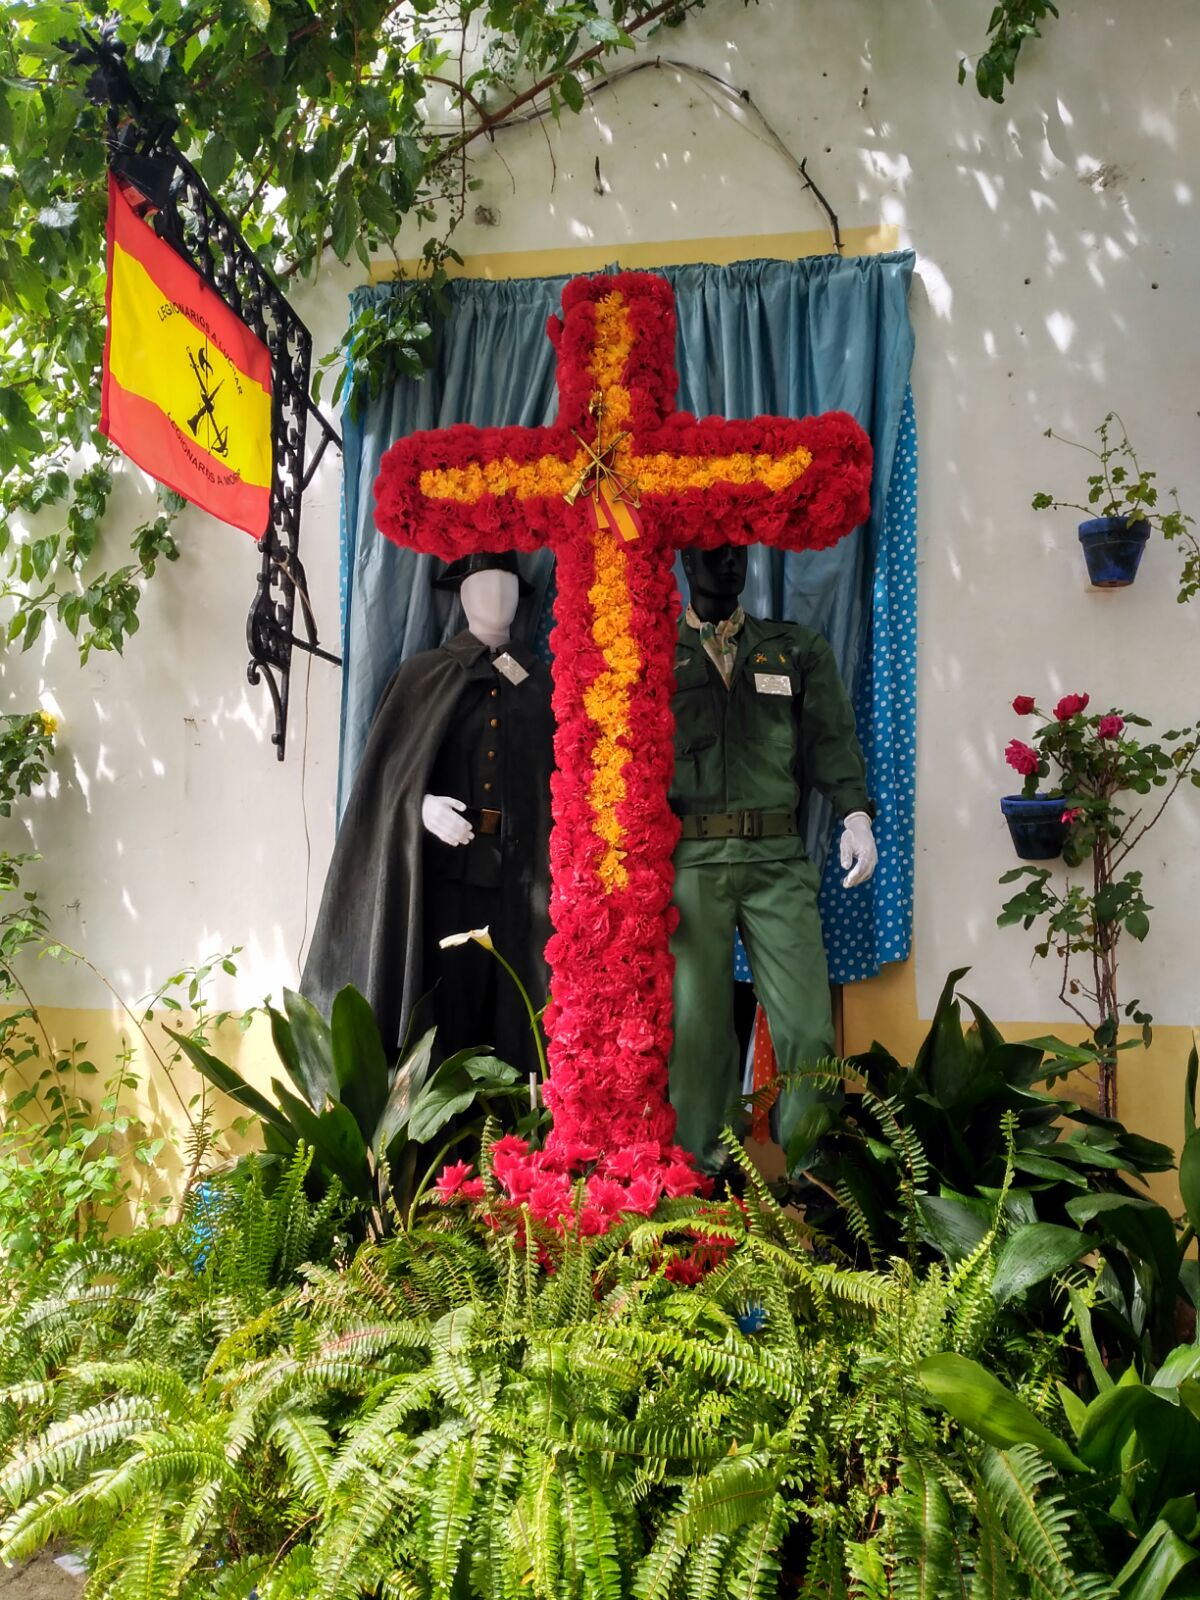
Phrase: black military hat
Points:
(482, 561)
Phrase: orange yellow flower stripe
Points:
(606, 700)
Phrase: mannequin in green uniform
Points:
(761, 719)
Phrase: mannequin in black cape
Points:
(447, 829)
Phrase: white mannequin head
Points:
(489, 599)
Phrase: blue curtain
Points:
(790, 338)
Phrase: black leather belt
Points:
(488, 823)
(738, 825)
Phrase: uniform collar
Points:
(727, 628)
(476, 658)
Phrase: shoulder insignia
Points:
(760, 658)
(783, 658)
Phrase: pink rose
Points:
(1069, 706)
(1024, 704)
(1024, 758)
(1111, 726)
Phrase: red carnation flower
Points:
(453, 1177)
(642, 1195)
(1069, 706)
(1022, 757)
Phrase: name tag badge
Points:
(510, 669)
(772, 683)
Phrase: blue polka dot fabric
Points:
(867, 926)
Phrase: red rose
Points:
(1069, 706)
(1024, 704)
(1022, 757)
(1111, 726)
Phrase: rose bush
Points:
(1090, 761)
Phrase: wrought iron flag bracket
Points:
(184, 213)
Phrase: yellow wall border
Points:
(567, 260)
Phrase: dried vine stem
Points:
(503, 120)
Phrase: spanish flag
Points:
(187, 386)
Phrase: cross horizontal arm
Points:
(795, 483)
(455, 491)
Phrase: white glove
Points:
(858, 849)
(442, 816)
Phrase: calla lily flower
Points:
(481, 936)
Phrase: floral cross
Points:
(615, 487)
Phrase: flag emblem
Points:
(187, 386)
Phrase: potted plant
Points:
(1094, 759)
(1122, 511)
(1037, 821)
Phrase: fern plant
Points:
(445, 1418)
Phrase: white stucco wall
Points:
(1057, 239)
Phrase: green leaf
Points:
(231, 1082)
(217, 160)
(359, 1062)
(571, 91)
(406, 1086)
(344, 224)
(1137, 925)
(314, 1070)
(981, 1403)
(1033, 1253)
(437, 1103)
(1153, 1567)
(955, 1226)
(335, 1139)
(1189, 1178)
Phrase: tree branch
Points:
(493, 118)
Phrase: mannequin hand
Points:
(858, 851)
(442, 816)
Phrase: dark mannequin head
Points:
(715, 579)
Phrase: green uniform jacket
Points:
(739, 749)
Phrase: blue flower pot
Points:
(1112, 548)
(1037, 828)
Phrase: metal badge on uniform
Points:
(772, 683)
(510, 669)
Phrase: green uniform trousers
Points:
(774, 904)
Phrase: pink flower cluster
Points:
(631, 1180)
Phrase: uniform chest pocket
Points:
(694, 725)
(772, 720)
